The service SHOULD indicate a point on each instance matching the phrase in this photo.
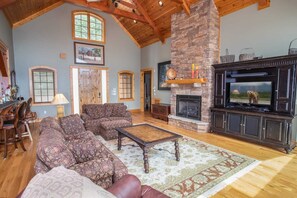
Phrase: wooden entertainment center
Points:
(266, 117)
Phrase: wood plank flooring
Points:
(276, 176)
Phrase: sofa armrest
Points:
(100, 171)
(128, 116)
(148, 191)
(127, 187)
(85, 117)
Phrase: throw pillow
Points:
(119, 110)
(63, 183)
(72, 124)
(95, 111)
(83, 149)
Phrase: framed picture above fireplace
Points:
(162, 69)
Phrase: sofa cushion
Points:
(62, 182)
(119, 111)
(115, 109)
(86, 149)
(95, 110)
(72, 124)
(50, 123)
(107, 125)
(53, 152)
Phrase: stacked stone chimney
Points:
(195, 40)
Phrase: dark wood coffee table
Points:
(146, 136)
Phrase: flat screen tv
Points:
(251, 93)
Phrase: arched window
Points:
(88, 26)
(126, 85)
(43, 84)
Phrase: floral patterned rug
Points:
(202, 171)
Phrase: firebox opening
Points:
(188, 106)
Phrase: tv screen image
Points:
(256, 93)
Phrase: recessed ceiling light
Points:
(160, 3)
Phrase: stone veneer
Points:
(195, 39)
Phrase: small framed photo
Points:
(88, 54)
(162, 69)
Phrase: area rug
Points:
(202, 171)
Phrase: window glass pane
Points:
(50, 98)
(36, 78)
(51, 92)
(37, 92)
(44, 99)
(37, 98)
(44, 92)
(36, 85)
(43, 85)
(43, 79)
(50, 85)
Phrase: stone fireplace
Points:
(194, 40)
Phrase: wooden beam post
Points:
(262, 4)
(186, 7)
(184, 4)
(141, 9)
(4, 3)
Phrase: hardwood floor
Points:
(276, 176)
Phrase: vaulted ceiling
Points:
(145, 21)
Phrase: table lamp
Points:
(60, 100)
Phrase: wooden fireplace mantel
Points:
(187, 81)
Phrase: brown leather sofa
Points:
(129, 186)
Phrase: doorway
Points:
(88, 86)
(146, 89)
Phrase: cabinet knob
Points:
(264, 129)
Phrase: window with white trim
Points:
(43, 84)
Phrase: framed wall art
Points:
(162, 69)
(88, 54)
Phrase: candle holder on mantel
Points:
(195, 71)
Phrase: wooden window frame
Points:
(31, 70)
(89, 14)
(132, 88)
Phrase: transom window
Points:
(43, 84)
(88, 26)
(126, 85)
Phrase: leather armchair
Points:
(129, 186)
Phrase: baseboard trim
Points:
(134, 110)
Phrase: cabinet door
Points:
(284, 91)
(218, 121)
(219, 94)
(252, 126)
(234, 123)
(274, 130)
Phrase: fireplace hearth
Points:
(188, 106)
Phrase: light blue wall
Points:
(6, 37)
(267, 31)
(40, 42)
(150, 57)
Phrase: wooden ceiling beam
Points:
(141, 9)
(101, 6)
(262, 4)
(186, 7)
(127, 4)
(184, 4)
(37, 14)
(4, 3)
